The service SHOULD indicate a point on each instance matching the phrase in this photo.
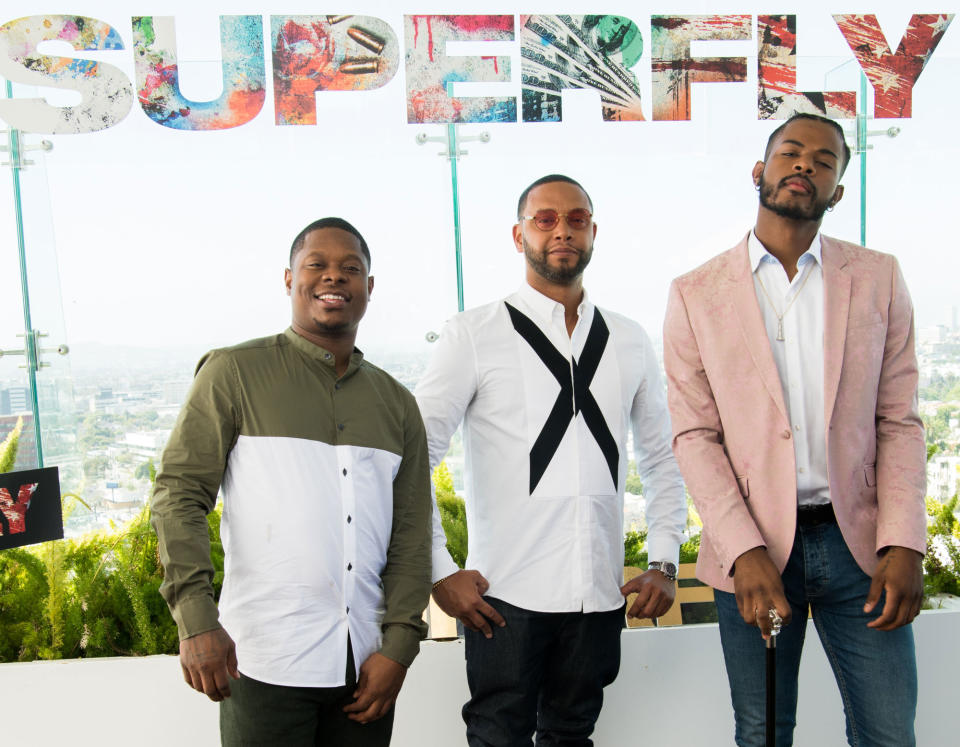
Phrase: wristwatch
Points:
(667, 568)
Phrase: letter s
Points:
(106, 92)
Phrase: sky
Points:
(147, 236)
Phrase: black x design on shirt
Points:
(574, 397)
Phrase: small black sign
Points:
(30, 507)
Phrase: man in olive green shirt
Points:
(326, 522)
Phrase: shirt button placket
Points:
(348, 508)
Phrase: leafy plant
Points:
(96, 595)
(941, 564)
(9, 448)
(635, 548)
(453, 514)
(690, 550)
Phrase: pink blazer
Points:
(731, 435)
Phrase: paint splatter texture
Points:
(431, 73)
(674, 69)
(327, 53)
(106, 95)
(893, 75)
(777, 96)
(158, 75)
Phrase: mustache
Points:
(783, 182)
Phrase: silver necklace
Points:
(780, 337)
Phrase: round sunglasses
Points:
(546, 220)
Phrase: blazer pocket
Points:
(864, 320)
(870, 475)
(744, 484)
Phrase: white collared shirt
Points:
(544, 498)
(799, 356)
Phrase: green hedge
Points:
(96, 595)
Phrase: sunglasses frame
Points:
(557, 216)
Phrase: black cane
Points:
(771, 643)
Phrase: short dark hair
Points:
(329, 223)
(549, 178)
(815, 118)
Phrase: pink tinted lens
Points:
(546, 219)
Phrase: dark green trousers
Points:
(257, 713)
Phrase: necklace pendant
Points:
(780, 337)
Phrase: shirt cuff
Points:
(443, 564)
(195, 615)
(664, 550)
(401, 643)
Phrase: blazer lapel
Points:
(751, 325)
(836, 307)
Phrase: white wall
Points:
(671, 691)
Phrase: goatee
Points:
(812, 211)
(562, 275)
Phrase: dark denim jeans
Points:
(264, 715)
(544, 672)
(876, 671)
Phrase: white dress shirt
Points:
(799, 356)
(544, 498)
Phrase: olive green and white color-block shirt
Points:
(326, 510)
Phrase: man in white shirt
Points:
(547, 386)
(792, 380)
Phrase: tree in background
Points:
(941, 388)
(634, 484)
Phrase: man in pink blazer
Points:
(792, 384)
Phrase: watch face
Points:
(666, 568)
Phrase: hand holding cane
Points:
(771, 643)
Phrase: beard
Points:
(562, 275)
(812, 211)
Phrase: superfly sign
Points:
(304, 55)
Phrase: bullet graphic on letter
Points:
(366, 39)
(360, 65)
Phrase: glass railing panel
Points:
(54, 382)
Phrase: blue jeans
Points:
(544, 672)
(876, 671)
